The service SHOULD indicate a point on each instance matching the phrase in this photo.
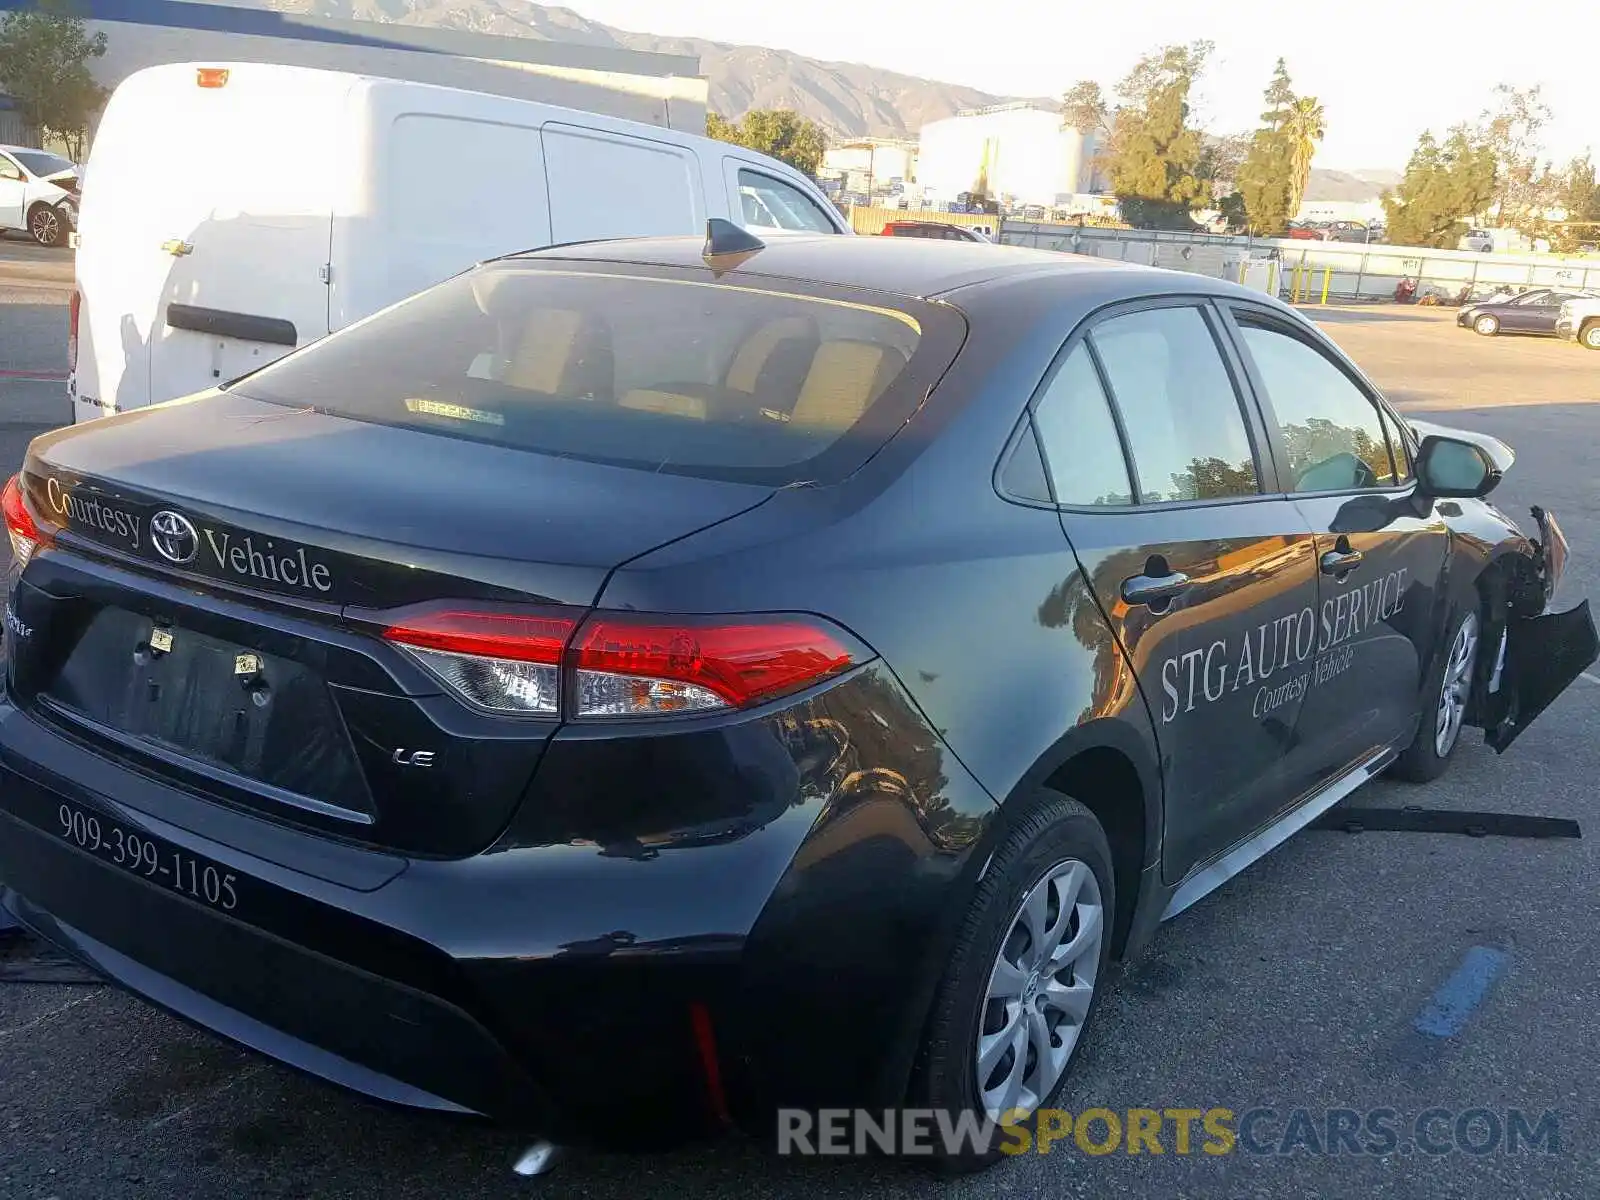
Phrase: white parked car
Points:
(1580, 321)
(39, 193)
(311, 199)
(1480, 240)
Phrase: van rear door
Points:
(205, 228)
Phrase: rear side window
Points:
(1080, 436)
(665, 372)
(1186, 431)
(1332, 432)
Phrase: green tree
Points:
(1511, 129)
(780, 132)
(1444, 186)
(1277, 165)
(1152, 154)
(1580, 190)
(44, 66)
(1304, 132)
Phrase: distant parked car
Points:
(1535, 312)
(38, 193)
(1479, 240)
(933, 230)
(1306, 231)
(1580, 320)
(1347, 231)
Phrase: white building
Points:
(1017, 152)
(875, 162)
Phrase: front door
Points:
(1207, 580)
(13, 195)
(1380, 550)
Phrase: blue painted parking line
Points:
(1446, 1014)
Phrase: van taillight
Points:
(211, 77)
(72, 329)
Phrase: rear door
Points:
(205, 227)
(1380, 550)
(1205, 577)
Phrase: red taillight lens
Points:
(211, 77)
(26, 536)
(73, 306)
(507, 662)
(620, 664)
(634, 666)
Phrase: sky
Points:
(1383, 73)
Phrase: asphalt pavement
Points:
(1366, 972)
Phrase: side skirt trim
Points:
(1216, 873)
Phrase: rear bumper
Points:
(555, 985)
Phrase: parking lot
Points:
(1302, 985)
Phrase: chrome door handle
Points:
(1337, 562)
(1153, 590)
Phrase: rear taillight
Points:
(211, 77)
(505, 662)
(73, 306)
(623, 664)
(26, 536)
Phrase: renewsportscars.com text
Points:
(1183, 1131)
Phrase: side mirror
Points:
(1449, 466)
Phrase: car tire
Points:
(1451, 683)
(1486, 325)
(47, 226)
(1589, 335)
(1056, 855)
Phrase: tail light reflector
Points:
(506, 662)
(73, 306)
(211, 77)
(622, 664)
(26, 536)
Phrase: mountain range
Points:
(848, 99)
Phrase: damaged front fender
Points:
(1541, 652)
(1541, 657)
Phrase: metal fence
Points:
(1319, 270)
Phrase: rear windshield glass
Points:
(41, 163)
(671, 373)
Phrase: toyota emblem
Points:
(174, 537)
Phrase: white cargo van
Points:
(234, 211)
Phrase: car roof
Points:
(904, 267)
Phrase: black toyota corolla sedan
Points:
(646, 684)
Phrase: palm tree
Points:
(1304, 129)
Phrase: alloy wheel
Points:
(1039, 990)
(1456, 687)
(1591, 336)
(46, 226)
(1487, 326)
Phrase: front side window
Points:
(9, 169)
(42, 163)
(1186, 431)
(672, 372)
(1331, 431)
(773, 204)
